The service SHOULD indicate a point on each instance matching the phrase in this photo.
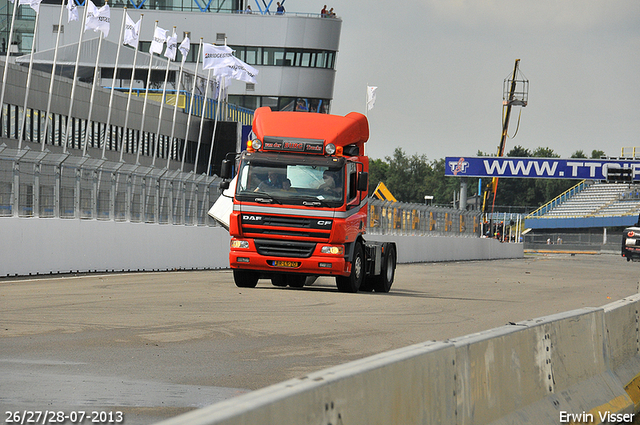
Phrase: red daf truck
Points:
(300, 204)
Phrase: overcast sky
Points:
(440, 64)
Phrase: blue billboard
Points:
(538, 168)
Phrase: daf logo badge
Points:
(252, 217)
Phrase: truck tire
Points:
(245, 278)
(383, 282)
(352, 282)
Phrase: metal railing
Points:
(569, 193)
(54, 185)
(400, 218)
(61, 185)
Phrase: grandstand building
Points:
(588, 216)
(295, 54)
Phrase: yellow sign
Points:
(383, 193)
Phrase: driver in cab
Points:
(273, 181)
(329, 182)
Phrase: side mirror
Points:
(224, 185)
(363, 181)
(225, 170)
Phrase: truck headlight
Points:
(235, 243)
(330, 149)
(256, 144)
(335, 250)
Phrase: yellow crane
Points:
(515, 93)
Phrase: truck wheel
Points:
(352, 282)
(383, 282)
(245, 278)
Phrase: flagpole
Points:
(26, 93)
(113, 85)
(144, 105)
(75, 79)
(366, 102)
(125, 129)
(164, 92)
(53, 73)
(204, 108)
(215, 122)
(193, 93)
(6, 63)
(93, 90)
(175, 108)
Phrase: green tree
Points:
(378, 170)
(406, 176)
(545, 153)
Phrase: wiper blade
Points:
(315, 202)
(266, 199)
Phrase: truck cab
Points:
(300, 204)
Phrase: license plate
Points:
(290, 264)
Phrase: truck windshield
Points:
(288, 179)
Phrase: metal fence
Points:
(61, 185)
(399, 218)
(47, 185)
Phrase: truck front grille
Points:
(257, 225)
(275, 248)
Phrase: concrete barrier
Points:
(48, 245)
(547, 369)
(576, 367)
(623, 342)
(416, 249)
(403, 386)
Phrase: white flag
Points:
(159, 37)
(216, 87)
(98, 19)
(243, 72)
(184, 48)
(34, 4)
(73, 11)
(132, 32)
(371, 97)
(172, 47)
(216, 56)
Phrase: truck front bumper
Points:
(316, 264)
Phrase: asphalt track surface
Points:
(154, 345)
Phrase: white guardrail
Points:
(580, 366)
